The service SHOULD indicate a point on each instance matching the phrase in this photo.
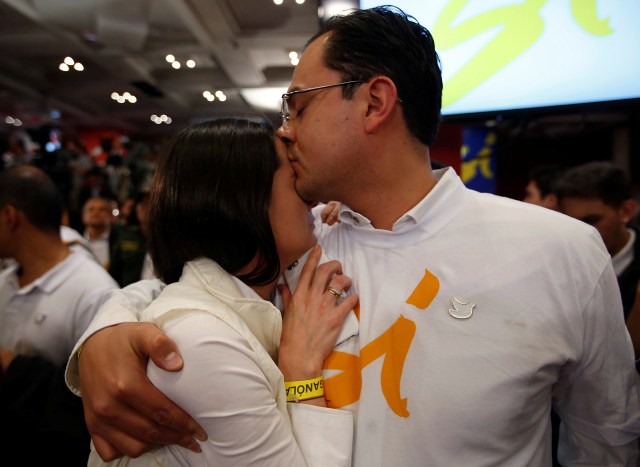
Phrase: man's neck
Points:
(95, 232)
(383, 204)
(36, 260)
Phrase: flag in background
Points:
(478, 161)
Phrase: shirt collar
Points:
(412, 217)
(622, 259)
(104, 236)
(52, 279)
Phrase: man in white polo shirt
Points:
(48, 296)
(97, 219)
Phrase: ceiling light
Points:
(293, 54)
(277, 2)
(264, 98)
(211, 97)
(336, 7)
(175, 65)
(170, 58)
(299, 2)
(127, 96)
(295, 61)
(191, 63)
(70, 62)
(9, 120)
(161, 119)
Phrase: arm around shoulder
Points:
(122, 306)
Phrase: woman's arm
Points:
(224, 385)
(125, 413)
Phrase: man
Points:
(130, 260)
(599, 194)
(48, 296)
(539, 189)
(476, 313)
(97, 219)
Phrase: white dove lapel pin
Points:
(461, 310)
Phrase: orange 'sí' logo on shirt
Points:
(393, 344)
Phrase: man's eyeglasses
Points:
(285, 114)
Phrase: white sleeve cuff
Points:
(325, 436)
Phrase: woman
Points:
(225, 220)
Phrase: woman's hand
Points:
(313, 317)
(329, 213)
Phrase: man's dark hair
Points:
(601, 180)
(384, 41)
(545, 178)
(31, 191)
(210, 198)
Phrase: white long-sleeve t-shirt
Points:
(433, 387)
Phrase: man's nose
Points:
(285, 134)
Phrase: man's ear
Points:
(382, 101)
(11, 217)
(628, 209)
(551, 201)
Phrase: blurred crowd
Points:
(104, 193)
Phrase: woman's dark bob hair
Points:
(210, 198)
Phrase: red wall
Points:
(446, 148)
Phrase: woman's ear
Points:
(382, 102)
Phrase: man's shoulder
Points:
(7, 275)
(512, 210)
(8, 266)
(540, 229)
(88, 272)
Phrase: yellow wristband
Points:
(304, 390)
